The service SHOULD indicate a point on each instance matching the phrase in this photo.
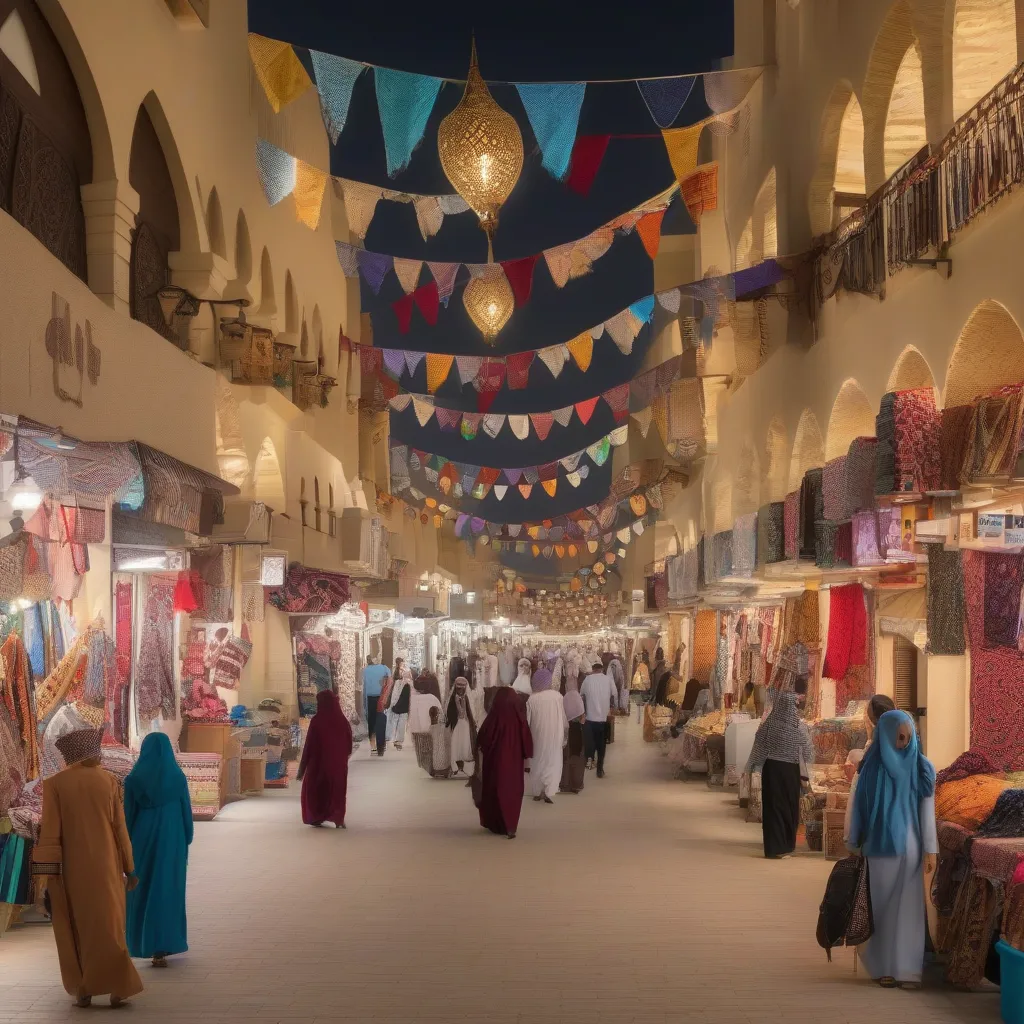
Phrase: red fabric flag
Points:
(548, 471)
(426, 298)
(585, 409)
(587, 154)
(542, 423)
(403, 311)
(618, 401)
(517, 367)
(485, 400)
(520, 277)
(649, 230)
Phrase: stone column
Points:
(110, 209)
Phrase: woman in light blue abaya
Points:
(158, 813)
(893, 824)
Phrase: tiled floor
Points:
(641, 899)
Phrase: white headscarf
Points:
(522, 683)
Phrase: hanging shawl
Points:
(782, 736)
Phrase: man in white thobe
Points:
(545, 712)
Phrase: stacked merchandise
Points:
(907, 453)
(982, 441)
(203, 775)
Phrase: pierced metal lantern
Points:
(481, 149)
(489, 301)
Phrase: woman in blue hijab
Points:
(893, 824)
(158, 813)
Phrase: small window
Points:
(904, 670)
(332, 519)
(316, 505)
(303, 503)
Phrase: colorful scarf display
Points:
(847, 631)
(1003, 579)
(945, 601)
(917, 433)
(885, 447)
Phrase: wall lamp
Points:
(177, 301)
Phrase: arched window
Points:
(45, 147)
(905, 131)
(157, 229)
(215, 226)
(243, 250)
(808, 449)
(852, 417)
(988, 355)
(303, 502)
(838, 186)
(268, 483)
(316, 503)
(332, 518)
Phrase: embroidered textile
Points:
(847, 630)
(812, 511)
(803, 620)
(705, 644)
(721, 554)
(771, 533)
(945, 601)
(1003, 578)
(154, 692)
(744, 545)
(310, 590)
(825, 544)
(834, 490)
(791, 524)
(866, 540)
(956, 438)
(917, 440)
(885, 448)
(860, 474)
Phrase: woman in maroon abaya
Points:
(504, 743)
(323, 769)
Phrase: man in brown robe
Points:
(86, 857)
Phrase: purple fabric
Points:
(540, 680)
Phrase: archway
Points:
(911, 371)
(852, 417)
(243, 250)
(905, 131)
(984, 48)
(268, 483)
(838, 186)
(268, 298)
(232, 461)
(808, 449)
(291, 305)
(988, 354)
(773, 486)
(215, 226)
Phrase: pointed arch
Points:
(268, 482)
(911, 371)
(905, 129)
(268, 298)
(808, 449)
(852, 417)
(243, 250)
(776, 463)
(291, 304)
(988, 354)
(215, 226)
(16, 46)
(838, 186)
(984, 48)
(317, 328)
(232, 461)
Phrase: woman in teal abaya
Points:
(159, 817)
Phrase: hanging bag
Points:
(844, 917)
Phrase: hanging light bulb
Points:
(481, 149)
(489, 301)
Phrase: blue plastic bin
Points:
(1011, 994)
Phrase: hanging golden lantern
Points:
(489, 301)
(481, 149)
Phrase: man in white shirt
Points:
(599, 694)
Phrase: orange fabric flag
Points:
(310, 183)
(649, 230)
(582, 349)
(279, 70)
(550, 486)
(438, 367)
(682, 145)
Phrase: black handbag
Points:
(844, 917)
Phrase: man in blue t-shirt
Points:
(374, 678)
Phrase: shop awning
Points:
(905, 613)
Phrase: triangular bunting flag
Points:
(514, 529)
(520, 426)
(638, 527)
(623, 328)
(517, 369)
(513, 476)
(444, 275)
(554, 113)
(276, 170)
(571, 462)
(412, 360)
(426, 300)
(360, 205)
(649, 230)
(563, 416)
(526, 490)
(500, 490)
(405, 101)
(401, 402)
(669, 299)
(403, 313)
(424, 410)
(619, 435)
(618, 400)
(347, 258)
(587, 153)
(550, 486)
(623, 535)
(643, 309)
(520, 277)
(485, 399)
(408, 273)
(335, 77)
(373, 266)
(554, 358)
(493, 423)
(585, 409)
(666, 97)
(470, 425)
(582, 349)
(559, 261)
(429, 216)
(599, 451)
(438, 367)
(542, 423)
(700, 191)
(531, 474)
(682, 145)
(469, 367)
(447, 419)
(310, 182)
(278, 69)
(643, 420)
(574, 478)
(394, 361)
(560, 550)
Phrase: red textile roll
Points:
(847, 631)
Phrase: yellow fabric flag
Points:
(280, 72)
(682, 145)
(438, 367)
(550, 486)
(310, 183)
(582, 349)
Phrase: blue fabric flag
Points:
(665, 97)
(335, 77)
(276, 169)
(405, 102)
(374, 266)
(554, 113)
(643, 309)
(760, 276)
